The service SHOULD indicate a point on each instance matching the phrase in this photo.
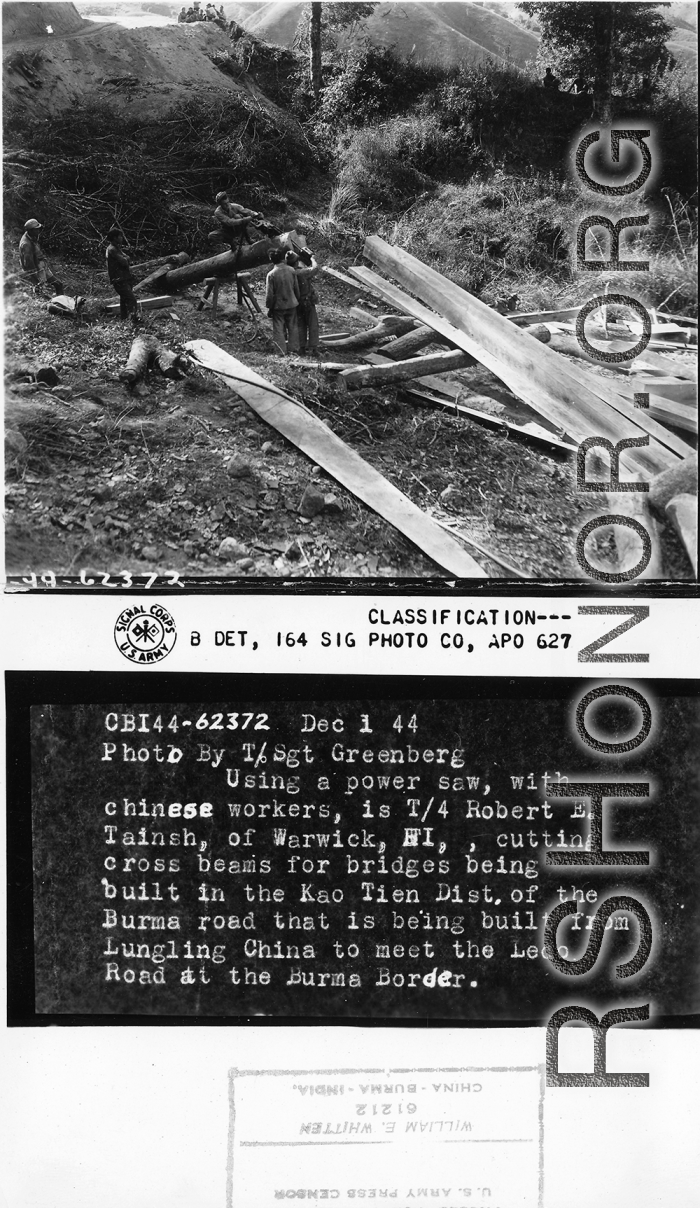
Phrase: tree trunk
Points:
(174, 259)
(146, 350)
(223, 265)
(315, 48)
(388, 326)
(399, 371)
(153, 280)
(409, 345)
(604, 25)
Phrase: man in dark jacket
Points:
(119, 273)
(282, 301)
(35, 266)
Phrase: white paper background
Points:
(139, 1116)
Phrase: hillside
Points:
(448, 33)
(83, 61)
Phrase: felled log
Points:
(152, 279)
(173, 260)
(380, 375)
(410, 344)
(146, 352)
(675, 494)
(387, 326)
(160, 271)
(628, 547)
(532, 371)
(224, 265)
(539, 331)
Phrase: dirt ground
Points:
(103, 479)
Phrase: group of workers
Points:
(196, 13)
(290, 298)
(290, 294)
(580, 85)
(38, 272)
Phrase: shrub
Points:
(377, 164)
(674, 110)
(133, 165)
(373, 83)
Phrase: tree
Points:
(619, 45)
(315, 52)
(319, 22)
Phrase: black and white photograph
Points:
(350, 291)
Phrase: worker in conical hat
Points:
(35, 266)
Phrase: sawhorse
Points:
(246, 295)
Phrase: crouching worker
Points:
(307, 318)
(282, 302)
(236, 222)
(119, 273)
(35, 266)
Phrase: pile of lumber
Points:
(573, 397)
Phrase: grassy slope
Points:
(440, 32)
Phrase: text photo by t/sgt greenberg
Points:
(349, 292)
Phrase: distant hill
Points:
(448, 33)
(683, 42)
